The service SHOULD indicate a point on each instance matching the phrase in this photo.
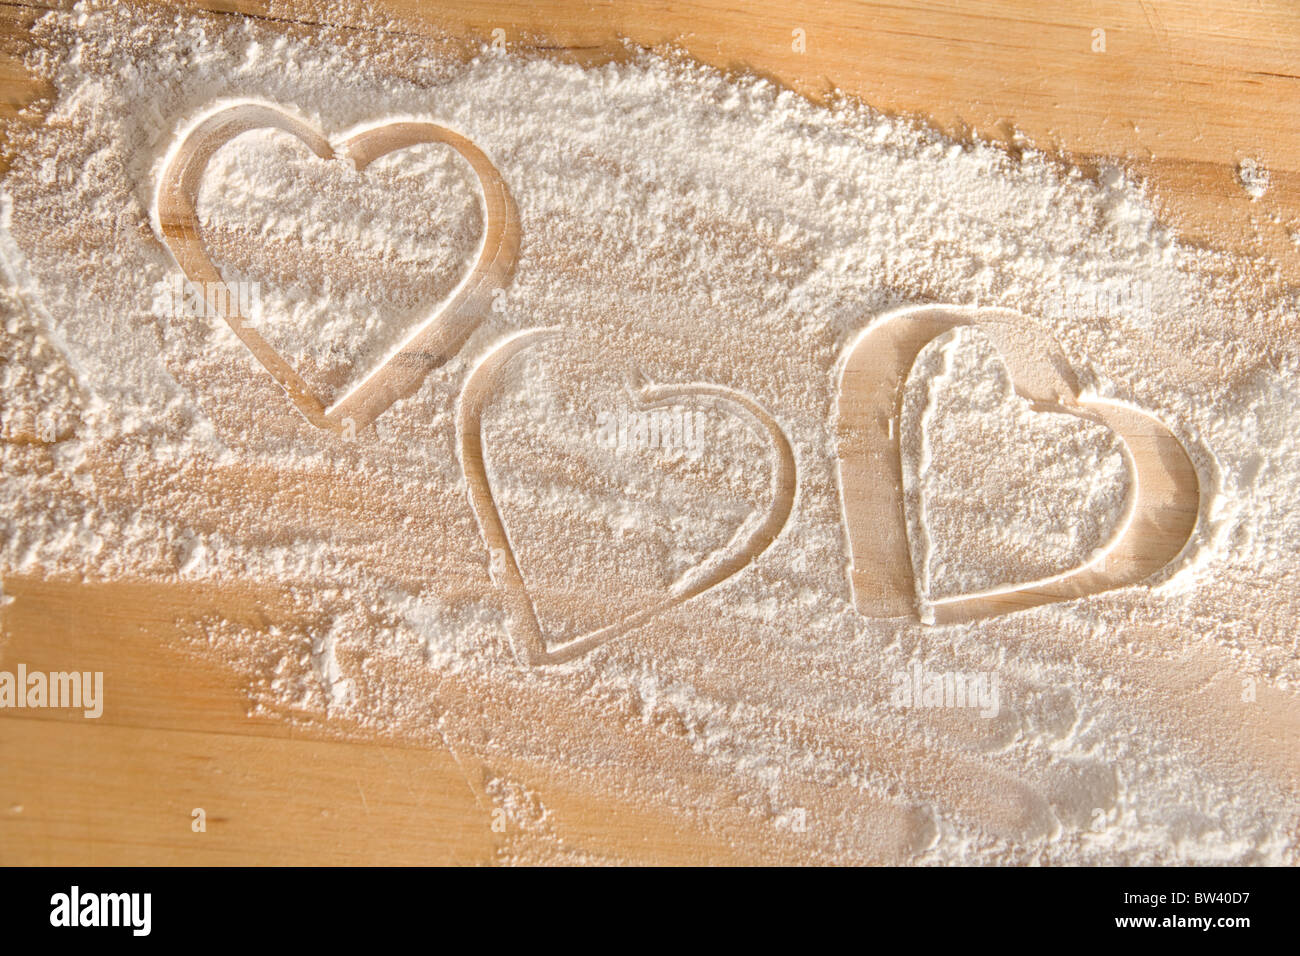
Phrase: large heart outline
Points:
(1155, 529)
(523, 624)
(433, 342)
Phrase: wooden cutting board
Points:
(1182, 91)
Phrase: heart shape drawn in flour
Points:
(1001, 496)
(1153, 530)
(433, 342)
(522, 615)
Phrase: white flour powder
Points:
(1005, 495)
(678, 227)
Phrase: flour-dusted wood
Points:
(1182, 94)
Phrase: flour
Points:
(1002, 496)
(679, 227)
(388, 247)
(1253, 178)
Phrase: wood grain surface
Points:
(1181, 92)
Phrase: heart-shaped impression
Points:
(1001, 496)
(522, 613)
(1156, 523)
(433, 342)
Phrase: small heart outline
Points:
(433, 342)
(1098, 555)
(523, 624)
